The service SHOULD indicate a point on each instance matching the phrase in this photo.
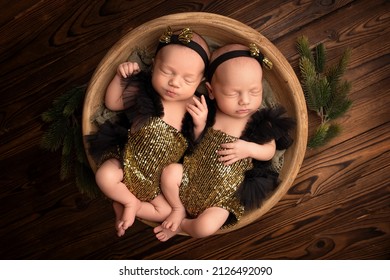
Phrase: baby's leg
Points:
(170, 183)
(118, 210)
(156, 210)
(206, 224)
(109, 178)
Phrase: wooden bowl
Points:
(220, 30)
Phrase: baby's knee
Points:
(163, 212)
(172, 174)
(210, 221)
(109, 172)
(205, 228)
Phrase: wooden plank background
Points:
(338, 206)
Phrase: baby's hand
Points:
(198, 111)
(234, 151)
(127, 69)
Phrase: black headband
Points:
(253, 52)
(184, 39)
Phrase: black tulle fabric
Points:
(262, 180)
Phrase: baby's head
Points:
(179, 64)
(185, 45)
(234, 79)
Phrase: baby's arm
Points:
(198, 111)
(240, 149)
(113, 99)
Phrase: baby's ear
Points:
(209, 90)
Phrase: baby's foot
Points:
(163, 234)
(125, 216)
(118, 209)
(174, 219)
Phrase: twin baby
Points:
(192, 163)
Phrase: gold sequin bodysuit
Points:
(207, 182)
(147, 152)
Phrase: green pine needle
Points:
(309, 78)
(318, 139)
(324, 133)
(67, 144)
(52, 114)
(85, 181)
(304, 50)
(335, 72)
(66, 166)
(76, 97)
(339, 109)
(52, 139)
(333, 131)
(322, 93)
(320, 58)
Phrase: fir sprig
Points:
(325, 92)
(64, 132)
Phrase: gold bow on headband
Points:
(166, 37)
(255, 52)
(184, 37)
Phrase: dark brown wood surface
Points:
(338, 206)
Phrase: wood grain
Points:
(338, 206)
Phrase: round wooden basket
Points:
(220, 30)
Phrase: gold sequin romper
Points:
(207, 182)
(147, 152)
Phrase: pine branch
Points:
(64, 130)
(324, 91)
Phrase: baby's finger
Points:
(229, 162)
(228, 145)
(225, 152)
(136, 68)
(191, 109)
(201, 103)
(197, 103)
(122, 71)
(194, 108)
(129, 69)
(226, 158)
(203, 100)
